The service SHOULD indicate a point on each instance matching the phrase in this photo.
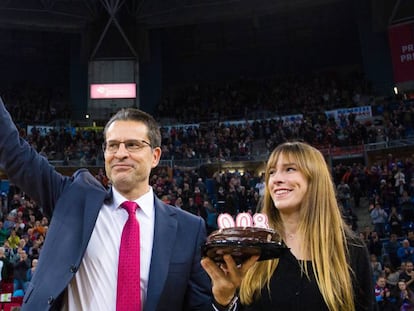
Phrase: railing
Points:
(332, 152)
(390, 144)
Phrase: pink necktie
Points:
(128, 296)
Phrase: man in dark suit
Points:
(77, 269)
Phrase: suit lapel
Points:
(165, 230)
(93, 204)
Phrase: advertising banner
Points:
(401, 38)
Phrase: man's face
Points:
(409, 266)
(129, 171)
(381, 282)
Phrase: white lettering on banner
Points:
(42, 130)
(407, 58)
(407, 53)
(363, 112)
(181, 126)
(407, 48)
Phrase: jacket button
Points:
(50, 300)
(73, 269)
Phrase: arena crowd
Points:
(385, 188)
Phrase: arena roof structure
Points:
(75, 15)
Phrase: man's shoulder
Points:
(83, 175)
(82, 172)
(404, 275)
(178, 212)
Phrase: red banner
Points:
(401, 39)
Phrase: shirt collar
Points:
(145, 202)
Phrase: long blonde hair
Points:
(321, 225)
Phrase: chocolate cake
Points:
(242, 235)
(242, 243)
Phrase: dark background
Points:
(49, 43)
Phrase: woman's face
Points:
(402, 285)
(287, 185)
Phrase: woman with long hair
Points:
(404, 296)
(327, 266)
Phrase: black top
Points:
(291, 290)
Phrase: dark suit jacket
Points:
(176, 281)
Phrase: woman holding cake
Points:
(327, 267)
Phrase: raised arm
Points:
(25, 167)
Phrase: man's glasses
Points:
(131, 145)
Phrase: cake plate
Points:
(241, 251)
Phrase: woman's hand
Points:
(227, 277)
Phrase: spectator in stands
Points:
(410, 189)
(253, 200)
(391, 275)
(32, 222)
(408, 274)
(300, 203)
(391, 247)
(16, 202)
(34, 250)
(401, 268)
(4, 233)
(410, 237)
(367, 232)
(407, 207)
(399, 178)
(201, 186)
(221, 199)
(6, 267)
(101, 176)
(405, 252)
(9, 222)
(356, 191)
(25, 243)
(350, 218)
(191, 207)
(379, 218)
(344, 194)
(387, 194)
(198, 198)
(20, 226)
(31, 271)
(395, 221)
(84, 213)
(260, 186)
(13, 239)
(39, 227)
(375, 244)
(382, 294)
(211, 218)
(185, 192)
(179, 202)
(376, 267)
(404, 296)
(1, 268)
(232, 201)
(20, 271)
